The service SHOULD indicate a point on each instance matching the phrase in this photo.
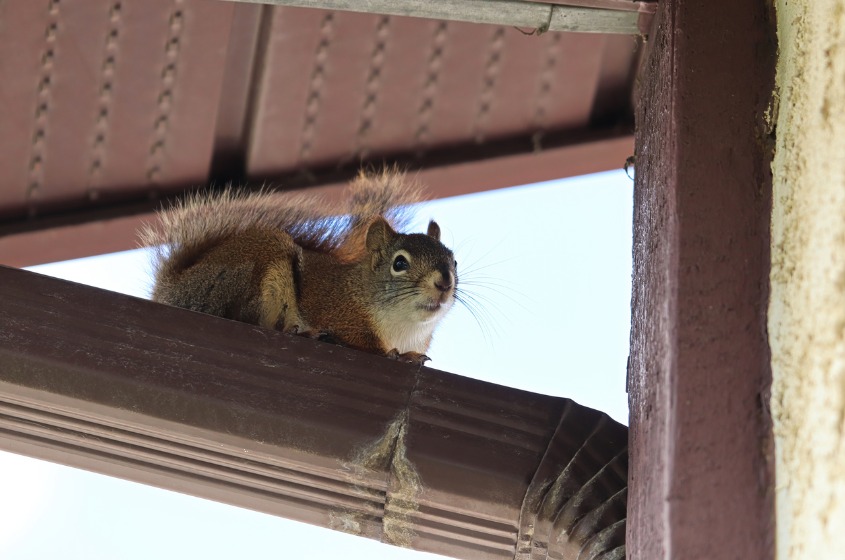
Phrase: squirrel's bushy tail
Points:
(386, 194)
(200, 221)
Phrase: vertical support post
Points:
(699, 374)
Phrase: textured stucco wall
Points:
(807, 310)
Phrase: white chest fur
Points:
(409, 331)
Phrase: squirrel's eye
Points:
(400, 263)
(456, 265)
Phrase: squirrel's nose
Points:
(444, 284)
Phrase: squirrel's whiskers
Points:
(486, 310)
(296, 264)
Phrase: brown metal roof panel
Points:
(291, 40)
(191, 66)
(110, 103)
(395, 87)
(77, 98)
(509, 93)
(127, 77)
(312, 89)
(334, 134)
(106, 110)
(231, 128)
(573, 67)
(318, 120)
(384, 85)
(460, 83)
(545, 83)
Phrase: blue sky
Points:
(550, 265)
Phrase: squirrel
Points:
(293, 263)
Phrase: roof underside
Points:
(108, 108)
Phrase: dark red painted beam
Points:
(701, 478)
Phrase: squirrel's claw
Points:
(307, 333)
(409, 357)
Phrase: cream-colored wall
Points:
(807, 310)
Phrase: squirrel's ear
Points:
(434, 230)
(379, 234)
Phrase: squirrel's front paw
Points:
(307, 333)
(409, 357)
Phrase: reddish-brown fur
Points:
(288, 264)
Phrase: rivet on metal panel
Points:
(164, 100)
(172, 46)
(176, 21)
(169, 73)
(108, 64)
(111, 40)
(313, 103)
(161, 125)
(52, 29)
(157, 148)
(44, 85)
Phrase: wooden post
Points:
(699, 375)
